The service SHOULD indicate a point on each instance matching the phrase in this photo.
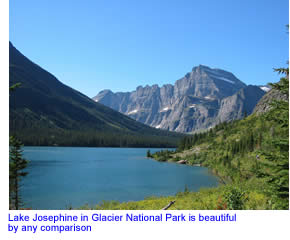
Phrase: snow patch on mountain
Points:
(214, 74)
(265, 89)
(133, 111)
(165, 109)
(192, 106)
(225, 79)
(208, 98)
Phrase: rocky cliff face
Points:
(241, 103)
(264, 104)
(199, 100)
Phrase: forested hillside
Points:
(45, 112)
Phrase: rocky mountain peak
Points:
(200, 68)
(105, 91)
(193, 103)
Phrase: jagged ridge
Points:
(199, 100)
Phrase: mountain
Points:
(264, 104)
(44, 111)
(199, 100)
(265, 88)
(241, 103)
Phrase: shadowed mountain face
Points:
(199, 100)
(241, 103)
(43, 111)
(264, 105)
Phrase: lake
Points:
(60, 177)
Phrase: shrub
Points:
(235, 198)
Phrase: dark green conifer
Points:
(277, 157)
(16, 166)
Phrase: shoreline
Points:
(210, 170)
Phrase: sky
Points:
(92, 45)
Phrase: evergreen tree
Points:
(148, 154)
(16, 166)
(278, 156)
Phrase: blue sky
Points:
(93, 45)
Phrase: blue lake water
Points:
(60, 177)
